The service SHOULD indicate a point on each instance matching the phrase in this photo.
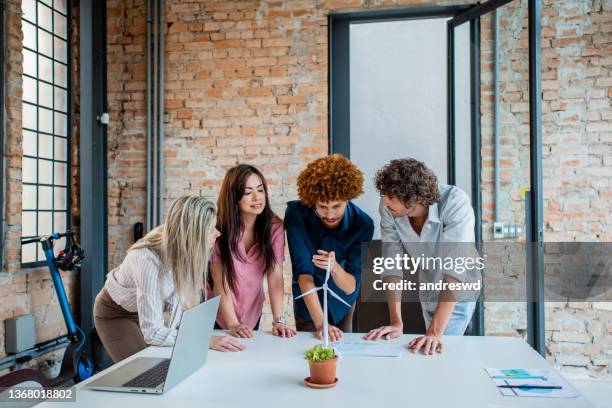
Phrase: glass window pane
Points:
(462, 106)
(60, 5)
(60, 49)
(60, 243)
(44, 223)
(44, 17)
(28, 253)
(59, 23)
(45, 146)
(61, 152)
(61, 99)
(387, 94)
(28, 197)
(60, 174)
(28, 171)
(40, 255)
(45, 198)
(45, 94)
(45, 43)
(29, 35)
(61, 127)
(45, 69)
(29, 63)
(59, 225)
(29, 89)
(29, 143)
(28, 224)
(45, 120)
(45, 172)
(29, 9)
(61, 77)
(59, 200)
(28, 118)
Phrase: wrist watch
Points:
(280, 320)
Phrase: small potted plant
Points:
(322, 362)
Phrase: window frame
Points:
(2, 128)
(68, 137)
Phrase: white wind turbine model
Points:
(325, 291)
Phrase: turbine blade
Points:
(331, 292)
(328, 271)
(308, 292)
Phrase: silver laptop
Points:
(152, 375)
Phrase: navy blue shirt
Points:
(306, 234)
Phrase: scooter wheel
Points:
(83, 368)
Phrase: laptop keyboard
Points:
(151, 378)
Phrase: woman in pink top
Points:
(251, 247)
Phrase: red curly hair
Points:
(329, 178)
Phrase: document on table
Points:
(528, 382)
(369, 348)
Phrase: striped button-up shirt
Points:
(136, 286)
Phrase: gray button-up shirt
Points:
(447, 233)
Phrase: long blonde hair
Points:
(183, 244)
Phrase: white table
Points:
(270, 372)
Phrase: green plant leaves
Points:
(320, 353)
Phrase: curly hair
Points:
(330, 178)
(408, 180)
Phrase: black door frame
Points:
(93, 153)
(339, 59)
(339, 123)
(2, 129)
(339, 96)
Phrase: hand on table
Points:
(240, 330)
(428, 344)
(335, 334)
(282, 330)
(225, 343)
(385, 332)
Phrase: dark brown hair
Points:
(329, 178)
(408, 180)
(229, 223)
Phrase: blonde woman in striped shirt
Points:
(162, 274)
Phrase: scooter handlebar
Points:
(29, 241)
(55, 235)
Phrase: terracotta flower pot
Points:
(323, 372)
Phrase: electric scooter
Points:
(69, 258)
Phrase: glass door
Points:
(495, 149)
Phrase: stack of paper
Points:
(369, 348)
(522, 382)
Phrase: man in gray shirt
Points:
(426, 219)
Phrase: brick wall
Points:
(577, 122)
(246, 81)
(30, 291)
(577, 171)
